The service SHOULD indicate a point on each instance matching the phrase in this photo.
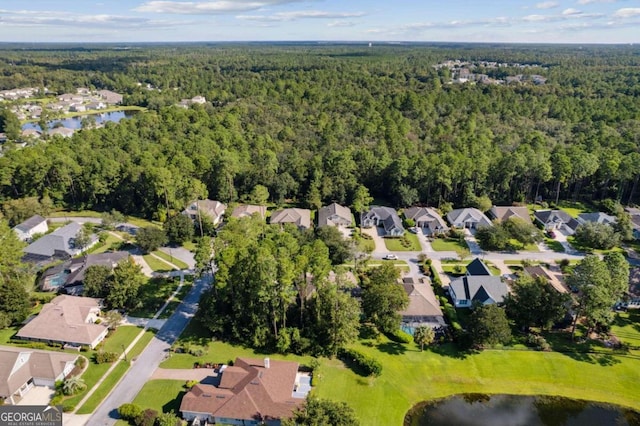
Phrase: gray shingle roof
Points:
(458, 217)
(388, 216)
(333, 210)
(479, 288)
(478, 267)
(30, 223)
(60, 240)
(552, 216)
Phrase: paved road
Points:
(141, 371)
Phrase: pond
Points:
(76, 122)
(513, 410)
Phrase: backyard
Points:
(410, 376)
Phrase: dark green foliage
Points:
(146, 418)
(323, 412)
(361, 363)
(14, 300)
(9, 123)
(129, 411)
(500, 235)
(535, 303)
(102, 357)
(399, 336)
(179, 229)
(383, 297)
(97, 280)
(488, 325)
(340, 249)
(597, 235)
(423, 335)
(150, 238)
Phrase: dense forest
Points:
(315, 124)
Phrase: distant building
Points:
(334, 215)
(58, 245)
(212, 209)
(110, 97)
(30, 227)
(245, 210)
(299, 217)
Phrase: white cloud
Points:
(302, 14)
(547, 5)
(66, 19)
(571, 11)
(341, 24)
(627, 12)
(595, 1)
(208, 7)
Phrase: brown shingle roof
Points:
(65, 320)
(249, 391)
(299, 217)
(248, 210)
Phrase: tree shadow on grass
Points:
(451, 350)
(392, 348)
(174, 404)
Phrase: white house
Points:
(34, 225)
(471, 218)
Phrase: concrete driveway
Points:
(376, 234)
(38, 395)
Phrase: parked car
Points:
(390, 257)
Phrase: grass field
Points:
(410, 376)
(554, 245)
(153, 294)
(157, 265)
(91, 213)
(410, 241)
(109, 244)
(160, 395)
(446, 244)
(179, 263)
(574, 208)
(123, 336)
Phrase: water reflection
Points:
(76, 122)
(512, 410)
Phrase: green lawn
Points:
(160, 395)
(6, 333)
(446, 244)
(626, 327)
(153, 294)
(554, 245)
(179, 263)
(111, 243)
(157, 265)
(574, 208)
(173, 304)
(189, 245)
(123, 336)
(141, 344)
(409, 242)
(105, 387)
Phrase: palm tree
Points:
(73, 385)
(423, 335)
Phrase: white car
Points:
(390, 257)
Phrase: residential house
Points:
(70, 97)
(251, 392)
(478, 268)
(96, 105)
(427, 218)
(597, 217)
(502, 213)
(634, 214)
(466, 290)
(556, 220)
(185, 103)
(299, 217)
(110, 97)
(61, 131)
(633, 295)
(34, 225)
(70, 274)
(31, 133)
(384, 217)
(77, 107)
(554, 278)
(58, 245)
(471, 218)
(21, 369)
(335, 215)
(67, 320)
(423, 308)
(245, 210)
(209, 208)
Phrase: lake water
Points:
(76, 122)
(512, 410)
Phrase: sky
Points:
(521, 21)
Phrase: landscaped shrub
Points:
(190, 383)
(400, 336)
(105, 357)
(68, 407)
(146, 418)
(129, 411)
(538, 342)
(57, 399)
(361, 363)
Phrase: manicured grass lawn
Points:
(6, 333)
(626, 327)
(108, 244)
(446, 244)
(554, 245)
(460, 268)
(179, 263)
(410, 376)
(141, 344)
(103, 390)
(173, 304)
(574, 208)
(157, 265)
(190, 245)
(409, 242)
(572, 241)
(91, 213)
(153, 295)
(123, 335)
(161, 395)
